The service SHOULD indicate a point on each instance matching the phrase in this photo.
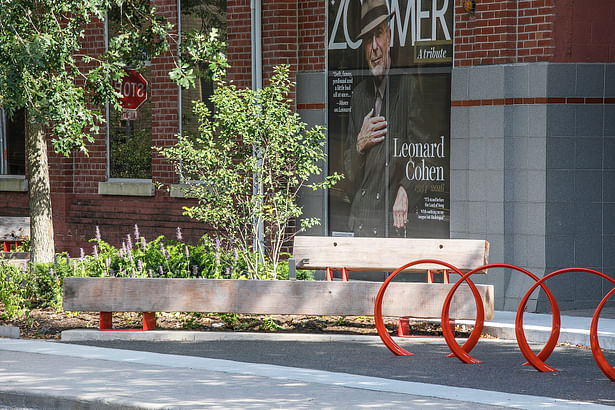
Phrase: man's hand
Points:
(400, 208)
(372, 132)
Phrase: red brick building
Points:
(532, 129)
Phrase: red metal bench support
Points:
(105, 321)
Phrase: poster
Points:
(389, 64)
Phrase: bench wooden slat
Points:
(355, 298)
(387, 254)
(14, 228)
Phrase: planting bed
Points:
(48, 323)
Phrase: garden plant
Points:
(247, 166)
(40, 285)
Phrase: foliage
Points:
(44, 68)
(159, 258)
(24, 246)
(47, 69)
(20, 289)
(204, 51)
(270, 325)
(41, 284)
(253, 155)
(13, 289)
(131, 156)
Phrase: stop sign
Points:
(133, 89)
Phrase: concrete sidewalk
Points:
(43, 374)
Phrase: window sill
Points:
(13, 183)
(126, 187)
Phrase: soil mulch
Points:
(48, 323)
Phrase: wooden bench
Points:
(13, 231)
(347, 254)
(386, 254)
(267, 297)
(277, 297)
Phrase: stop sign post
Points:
(133, 89)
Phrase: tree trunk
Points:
(41, 224)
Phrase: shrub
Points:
(41, 284)
(254, 155)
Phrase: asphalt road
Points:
(578, 378)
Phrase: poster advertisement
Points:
(389, 64)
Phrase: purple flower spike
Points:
(150, 273)
(187, 252)
(129, 242)
(98, 237)
(217, 244)
(81, 253)
(137, 234)
(178, 234)
(143, 243)
(95, 251)
(140, 265)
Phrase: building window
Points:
(13, 143)
(130, 136)
(202, 16)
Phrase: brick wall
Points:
(239, 49)
(82, 173)
(116, 217)
(583, 31)
(503, 32)
(312, 35)
(165, 94)
(293, 33)
(534, 30)
(14, 204)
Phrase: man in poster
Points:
(384, 115)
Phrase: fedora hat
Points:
(373, 13)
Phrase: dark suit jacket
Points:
(375, 170)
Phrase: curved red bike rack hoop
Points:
(464, 356)
(462, 352)
(538, 362)
(384, 334)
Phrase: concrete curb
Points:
(10, 332)
(535, 334)
(574, 331)
(31, 400)
(83, 335)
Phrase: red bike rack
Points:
(593, 338)
(462, 352)
(464, 356)
(538, 362)
(384, 334)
